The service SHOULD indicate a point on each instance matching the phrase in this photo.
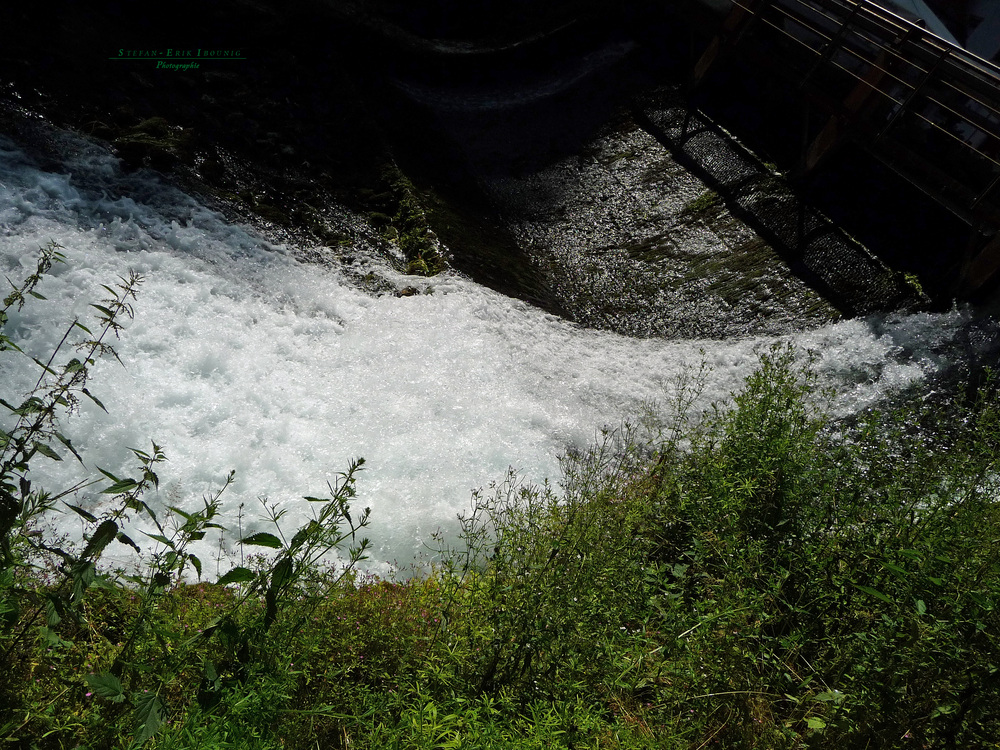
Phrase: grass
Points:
(761, 576)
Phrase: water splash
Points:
(240, 357)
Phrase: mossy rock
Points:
(272, 213)
(158, 127)
(418, 267)
(156, 143)
(397, 212)
(705, 205)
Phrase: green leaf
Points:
(77, 509)
(262, 540)
(100, 539)
(66, 441)
(102, 582)
(872, 592)
(142, 506)
(108, 474)
(104, 310)
(236, 575)
(943, 710)
(47, 451)
(211, 673)
(161, 579)
(36, 295)
(815, 723)
(148, 715)
(107, 686)
(124, 539)
(196, 563)
(921, 607)
(981, 600)
(160, 538)
(119, 487)
(830, 696)
(895, 570)
(31, 405)
(304, 533)
(78, 324)
(94, 398)
(45, 367)
(55, 607)
(51, 638)
(282, 573)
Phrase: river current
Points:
(240, 356)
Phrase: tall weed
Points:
(126, 661)
(761, 576)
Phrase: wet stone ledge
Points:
(654, 229)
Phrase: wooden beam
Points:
(839, 124)
(978, 270)
(737, 22)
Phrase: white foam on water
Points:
(240, 357)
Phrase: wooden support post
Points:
(913, 94)
(852, 107)
(839, 124)
(977, 270)
(831, 46)
(736, 24)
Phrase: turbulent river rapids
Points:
(241, 356)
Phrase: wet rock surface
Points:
(630, 240)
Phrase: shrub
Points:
(765, 576)
(124, 656)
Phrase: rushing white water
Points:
(240, 357)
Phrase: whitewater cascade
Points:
(242, 357)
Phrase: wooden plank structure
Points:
(923, 106)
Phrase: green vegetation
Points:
(759, 577)
(156, 143)
(708, 203)
(398, 211)
(913, 281)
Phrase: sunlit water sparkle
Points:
(241, 357)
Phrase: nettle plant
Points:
(35, 430)
(44, 581)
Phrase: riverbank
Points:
(761, 578)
